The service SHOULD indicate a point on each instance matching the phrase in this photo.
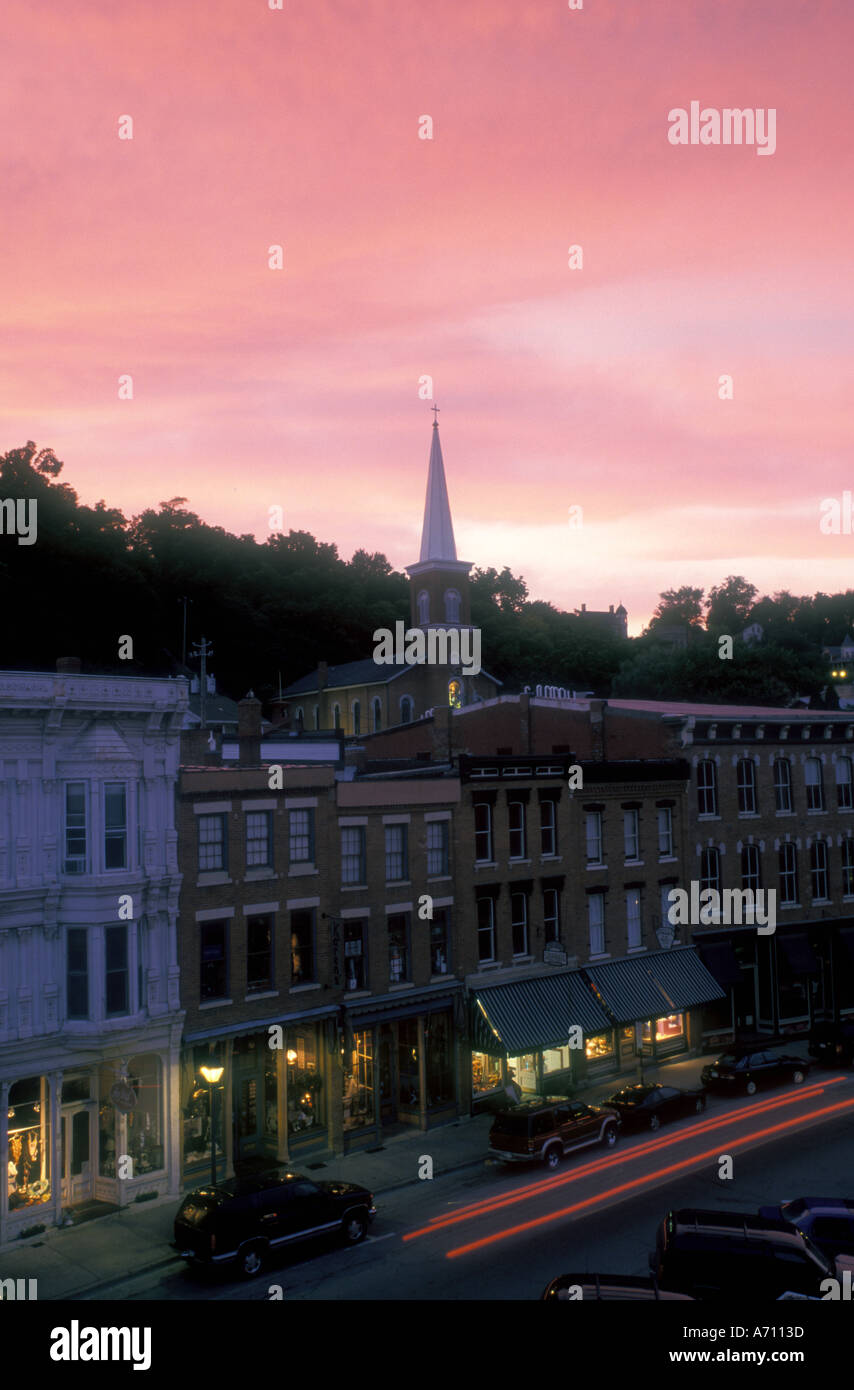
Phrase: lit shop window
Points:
(28, 1124)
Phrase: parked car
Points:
(602, 1288)
(724, 1254)
(242, 1220)
(648, 1106)
(832, 1044)
(749, 1069)
(545, 1128)
(828, 1221)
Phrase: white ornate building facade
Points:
(90, 1017)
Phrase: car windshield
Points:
(818, 1255)
(793, 1211)
(729, 1059)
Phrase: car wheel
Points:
(654, 1122)
(609, 1136)
(750, 1088)
(354, 1226)
(798, 1076)
(552, 1156)
(250, 1261)
(700, 1104)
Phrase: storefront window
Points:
(145, 1136)
(438, 1049)
(485, 1072)
(523, 1071)
(305, 1082)
(359, 1082)
(673, 1026)
(195, 1103)
(106, 1121)
(557, 1058)
(597, 1048)
(29, 1143)
(407, 1063)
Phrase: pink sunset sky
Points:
(447, 257)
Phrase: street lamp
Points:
(213, 1076)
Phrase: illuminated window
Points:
(455, 694)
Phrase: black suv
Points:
(724, 1254)
(547, 1127)
(240, 1221)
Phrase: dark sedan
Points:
(747, 1071)
(828, 1221)
(649, 1106)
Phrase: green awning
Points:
(526, 1015)
(654, 984)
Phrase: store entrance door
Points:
(77, 1149)
(388, 1075)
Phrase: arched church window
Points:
(452, 606)
(336, 714)
(317, 716)
(406, 710)
(424, 607)
(357, 717)
(299, 714)
(378, 715)
(455, 694)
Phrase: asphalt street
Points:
(500, 1233)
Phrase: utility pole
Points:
(203, 649)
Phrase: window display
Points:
(305, 1083)
(144, 1135)
(28, 1164)
(485, 1073)
(598, 1048)
(359, 1082)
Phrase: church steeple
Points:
(437, 533)
(440, 589)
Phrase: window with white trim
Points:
(634, 930)
(74, 860)
(396, 868)
(710, 870)
(353, 854)
(843, 784)
(751, 868)
(665, 832)
(548, 827)
(551, 914)
(593, 832)
(115, 826)
(707, 787)
(783, 784)
(631, 834)
(485, 929)
(517, 835)
(746, 784)
(519, 923)
(788, 874)
(818, 871)
(483, 832)
(596, 923)
(259, 839)
(814, 784)
(437, 848)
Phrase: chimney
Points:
(68, 665)
(597, 729)
(322, 675)
(249, 729)
(525, 733)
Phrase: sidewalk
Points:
(71, 1261)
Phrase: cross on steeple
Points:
(435, 410)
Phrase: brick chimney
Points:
(597, 729)
(249, 729)
(68, 665)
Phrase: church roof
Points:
(437, 534)
(364, 672)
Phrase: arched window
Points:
(788, 873)
(455, 694)
(357, 717)
(406, 710)
(843, 784)
(299, 715)
(452, 606)
(783, 784)
(815, 784)
(710, 870)
(336, 715)
(707, 788)
(317, 716)
(424, 607)
(751, 868)
(746, 787)
(377, 710)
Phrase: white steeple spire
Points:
(437, 535)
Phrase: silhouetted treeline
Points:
(273, 610)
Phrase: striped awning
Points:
(525, 1015)
(654, 984)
